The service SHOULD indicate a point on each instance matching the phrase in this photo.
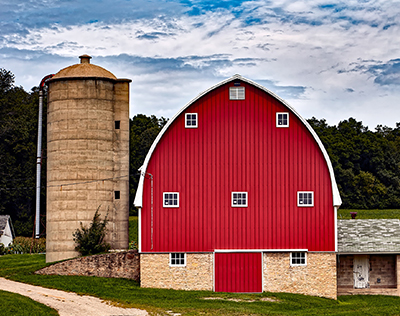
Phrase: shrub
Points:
(22, 245)
(90, 240)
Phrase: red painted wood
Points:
(237, 147)
(238, 272)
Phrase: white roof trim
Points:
(337, 201)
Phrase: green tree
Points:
(143, 131)
(18, 137)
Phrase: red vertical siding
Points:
(238, 272)
(237, 147)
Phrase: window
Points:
(305, 198)
(282, 119)
(117, 195)
(177, 259)
(117, 124)
(191, 120)
(171, 199)
(236, 93)
(298, 259)
(239, 199)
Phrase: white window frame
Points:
(239, 205)
(164, 199)
(186, 120)
(298, 264)
(177, 264)
(305, 205)
(277, 120)
(237, 93)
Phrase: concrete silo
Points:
(87, 155)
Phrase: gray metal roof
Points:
(3, 222)
(369, 236)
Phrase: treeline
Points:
(366, 163)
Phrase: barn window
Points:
(305, 198)
(239, 199)
(171, 199)
(282, 119)
(236, 93)
(191, 120)
(298, 259)
(177, 259)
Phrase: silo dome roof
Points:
(84, 69)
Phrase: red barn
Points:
(238, 194)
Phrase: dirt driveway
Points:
(66, 303)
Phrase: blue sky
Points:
(328, 59)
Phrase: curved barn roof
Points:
(337, 201)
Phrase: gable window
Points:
(282, 119)
(191, 120)
(298, 259)
(177, 259)
(239, 199)
(171, 199)
(236, 93)
(305, 198)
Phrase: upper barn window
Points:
(282, 119)
(305, 198)
(171, 199)
(239, 199)
(236, 93)
(191, 120)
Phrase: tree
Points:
(143, 131)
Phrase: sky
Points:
(328, 59)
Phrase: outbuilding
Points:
(7, 234)
(369, 256)
(238, 194)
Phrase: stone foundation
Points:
(317, 278)
(196, 275)
(110, 265)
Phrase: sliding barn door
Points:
(238, 272)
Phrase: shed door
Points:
(361, 272)
(238, 272)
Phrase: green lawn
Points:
(369, 214)
(15, 304)
(128, 293)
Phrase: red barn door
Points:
(238, 272)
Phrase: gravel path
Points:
(66, 303)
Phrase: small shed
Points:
(368, 257)
(7, 234)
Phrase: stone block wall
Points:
(317, 278)
(110, 265)
(345, 276)
(196, 275)
(382, 267)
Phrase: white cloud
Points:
(312, 44)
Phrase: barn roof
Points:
(139, 193)
(368, 236)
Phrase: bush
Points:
(22, 245)
(90, 240)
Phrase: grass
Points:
(369, 214)
(133, 228)
(15, 304)
(129, 294)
